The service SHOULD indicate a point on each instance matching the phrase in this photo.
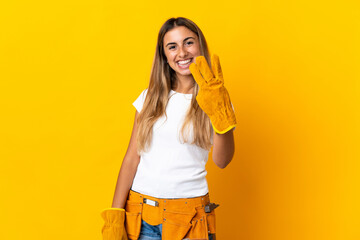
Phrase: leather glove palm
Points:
(213, 98)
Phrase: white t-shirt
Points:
(170, 168)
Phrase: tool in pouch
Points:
(208, 208)
(211, 206)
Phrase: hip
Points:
(180, 217)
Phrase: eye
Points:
(190, 42)
(171, 47)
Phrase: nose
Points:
(182, 52)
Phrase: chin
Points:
(185, 73)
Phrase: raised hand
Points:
(213, 98)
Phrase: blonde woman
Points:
(162, 192)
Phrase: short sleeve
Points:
(139, 102)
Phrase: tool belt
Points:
(191, 218)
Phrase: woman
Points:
(161, 188)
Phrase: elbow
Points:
(222, 164)
(223, 161)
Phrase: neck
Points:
(184, 84)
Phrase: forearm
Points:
(125, 179)
(223, 148)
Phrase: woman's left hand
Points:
(213, 98)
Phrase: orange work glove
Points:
(114, 228)
(213, 98)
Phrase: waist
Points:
(192, 202)
(169, 187)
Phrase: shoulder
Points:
(144, 92)
(142, 95)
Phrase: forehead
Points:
(178, 34)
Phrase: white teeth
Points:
(184, 62)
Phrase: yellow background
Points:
(70, 70)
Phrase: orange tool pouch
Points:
(180, 218)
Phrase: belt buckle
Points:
(151, 202)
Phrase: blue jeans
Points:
(149, 232)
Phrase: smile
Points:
(184, 63)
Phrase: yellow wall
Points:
(69, 72)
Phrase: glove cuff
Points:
(223, 119)
(113, 216)
(224, 130)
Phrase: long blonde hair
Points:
(162, 79)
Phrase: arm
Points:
(127, 171)
(223, 148)
(214, 99)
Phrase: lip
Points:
(187, 65)
(184, 60)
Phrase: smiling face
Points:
(181, 47)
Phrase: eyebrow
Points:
(175, 42)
